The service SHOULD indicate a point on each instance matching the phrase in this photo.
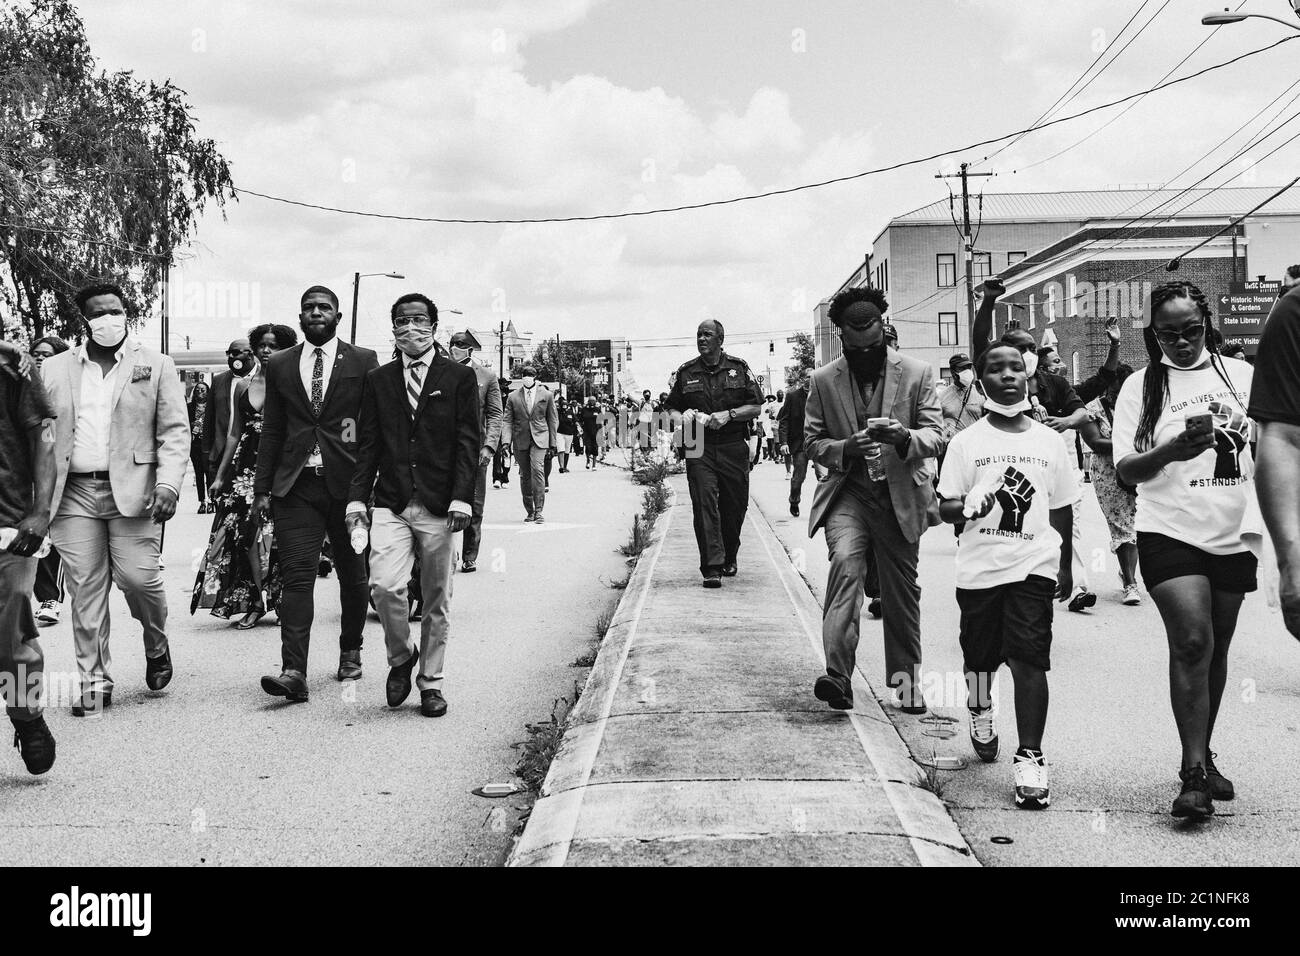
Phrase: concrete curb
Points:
(551, 825)
(924, 817)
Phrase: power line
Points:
(771, 192)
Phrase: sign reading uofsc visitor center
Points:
(1243, 310)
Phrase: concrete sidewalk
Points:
(697, 740)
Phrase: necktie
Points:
(528, 397)
(317, 391)
(414, 382)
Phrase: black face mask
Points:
(865, 364)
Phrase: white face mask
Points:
(529, 381)
(1201, 361)
(414, 341)
(1031, 363)
(459, 354)
(965, 377)
(108, 330)
(1008, 411)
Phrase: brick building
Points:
(1036, 239)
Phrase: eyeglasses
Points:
(1189, 332)
(419, 322)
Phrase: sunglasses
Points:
(1189, 332)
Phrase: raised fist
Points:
(1231, 433)
(1015, 497)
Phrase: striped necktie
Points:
(414, 382)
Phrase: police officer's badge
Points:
(731, 373)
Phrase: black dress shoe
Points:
(794, 509)
(432, 703)
(158, 670)
(873, 608)
(93, 702)
(398, 686)
(729, 569)
(830, 690)
(349, 665)
(35, 744)
(713, 580)
(287, 685)
(469, 567)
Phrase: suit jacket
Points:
(489, 400)
(289, 429)
(216, 422)
(829, 420)
(433, 456)
(518, 425)
(789, 420)
(149, 427)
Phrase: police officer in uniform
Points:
(718, 397)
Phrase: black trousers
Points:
(303, 518)
(719, 483)
(199, 462)
(49, 578)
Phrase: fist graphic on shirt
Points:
(1231, 433)
(1015, 497)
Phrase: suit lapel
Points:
(125, 368)
(437, 366)
(295, 372)
(336, 372)
(844, 392)
(893, 373)
(74, 380)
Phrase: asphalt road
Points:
(1111, 744)
(212, 771)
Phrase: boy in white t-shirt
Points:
(1007, 478)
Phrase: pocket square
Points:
(435, 393)
(142, 373)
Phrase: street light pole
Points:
(1220, 19)
(356, 291)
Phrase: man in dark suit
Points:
(789, 431)
(462, 346)
(528, 425)
(304, 467)
(421, 434)
(216, 421)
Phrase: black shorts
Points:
(1010, 621)
(1162, 558)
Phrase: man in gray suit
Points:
(462, 346)
(873, 421)
(121, 444)
(528, 425)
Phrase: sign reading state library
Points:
(1243, 310)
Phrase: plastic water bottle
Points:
(875, 460)
(360, 538)
(7, 536)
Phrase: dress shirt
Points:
(460, 507)
(94, 413)
(528, 398)
(306, 367)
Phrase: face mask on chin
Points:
(414, 342)
(1007, 411)
(108, 330)
(1201, 361)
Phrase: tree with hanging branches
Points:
(102, 175)
(804, 355)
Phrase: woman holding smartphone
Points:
(1181, 436)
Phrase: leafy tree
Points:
(571, 359)
(101, 175)
(804, 354)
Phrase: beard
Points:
(865, 364)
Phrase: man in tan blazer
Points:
(872, 399)
(121, 444)
(528, 426)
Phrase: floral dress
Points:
(241, 570)
(1118, 505)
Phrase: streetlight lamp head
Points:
(1219, 19)
(395, 275)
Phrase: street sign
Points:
(1243, 310)
(762, 380)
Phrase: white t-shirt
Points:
(1015, 539)
(1208, 502)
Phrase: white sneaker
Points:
(49, 612)
(1131, 596)
(1032, 792)
(983, 734)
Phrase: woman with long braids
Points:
(1181, 436)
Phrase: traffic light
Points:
(771, 348)
(629, 351)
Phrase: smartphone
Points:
(1199, 424)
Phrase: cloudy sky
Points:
(553, 108)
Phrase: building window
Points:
(945, 266)
(945, 374)
(947, 328)
(981, 266)
(1014, 257)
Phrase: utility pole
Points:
(967, 243)
(501, 350)
(559, 363)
